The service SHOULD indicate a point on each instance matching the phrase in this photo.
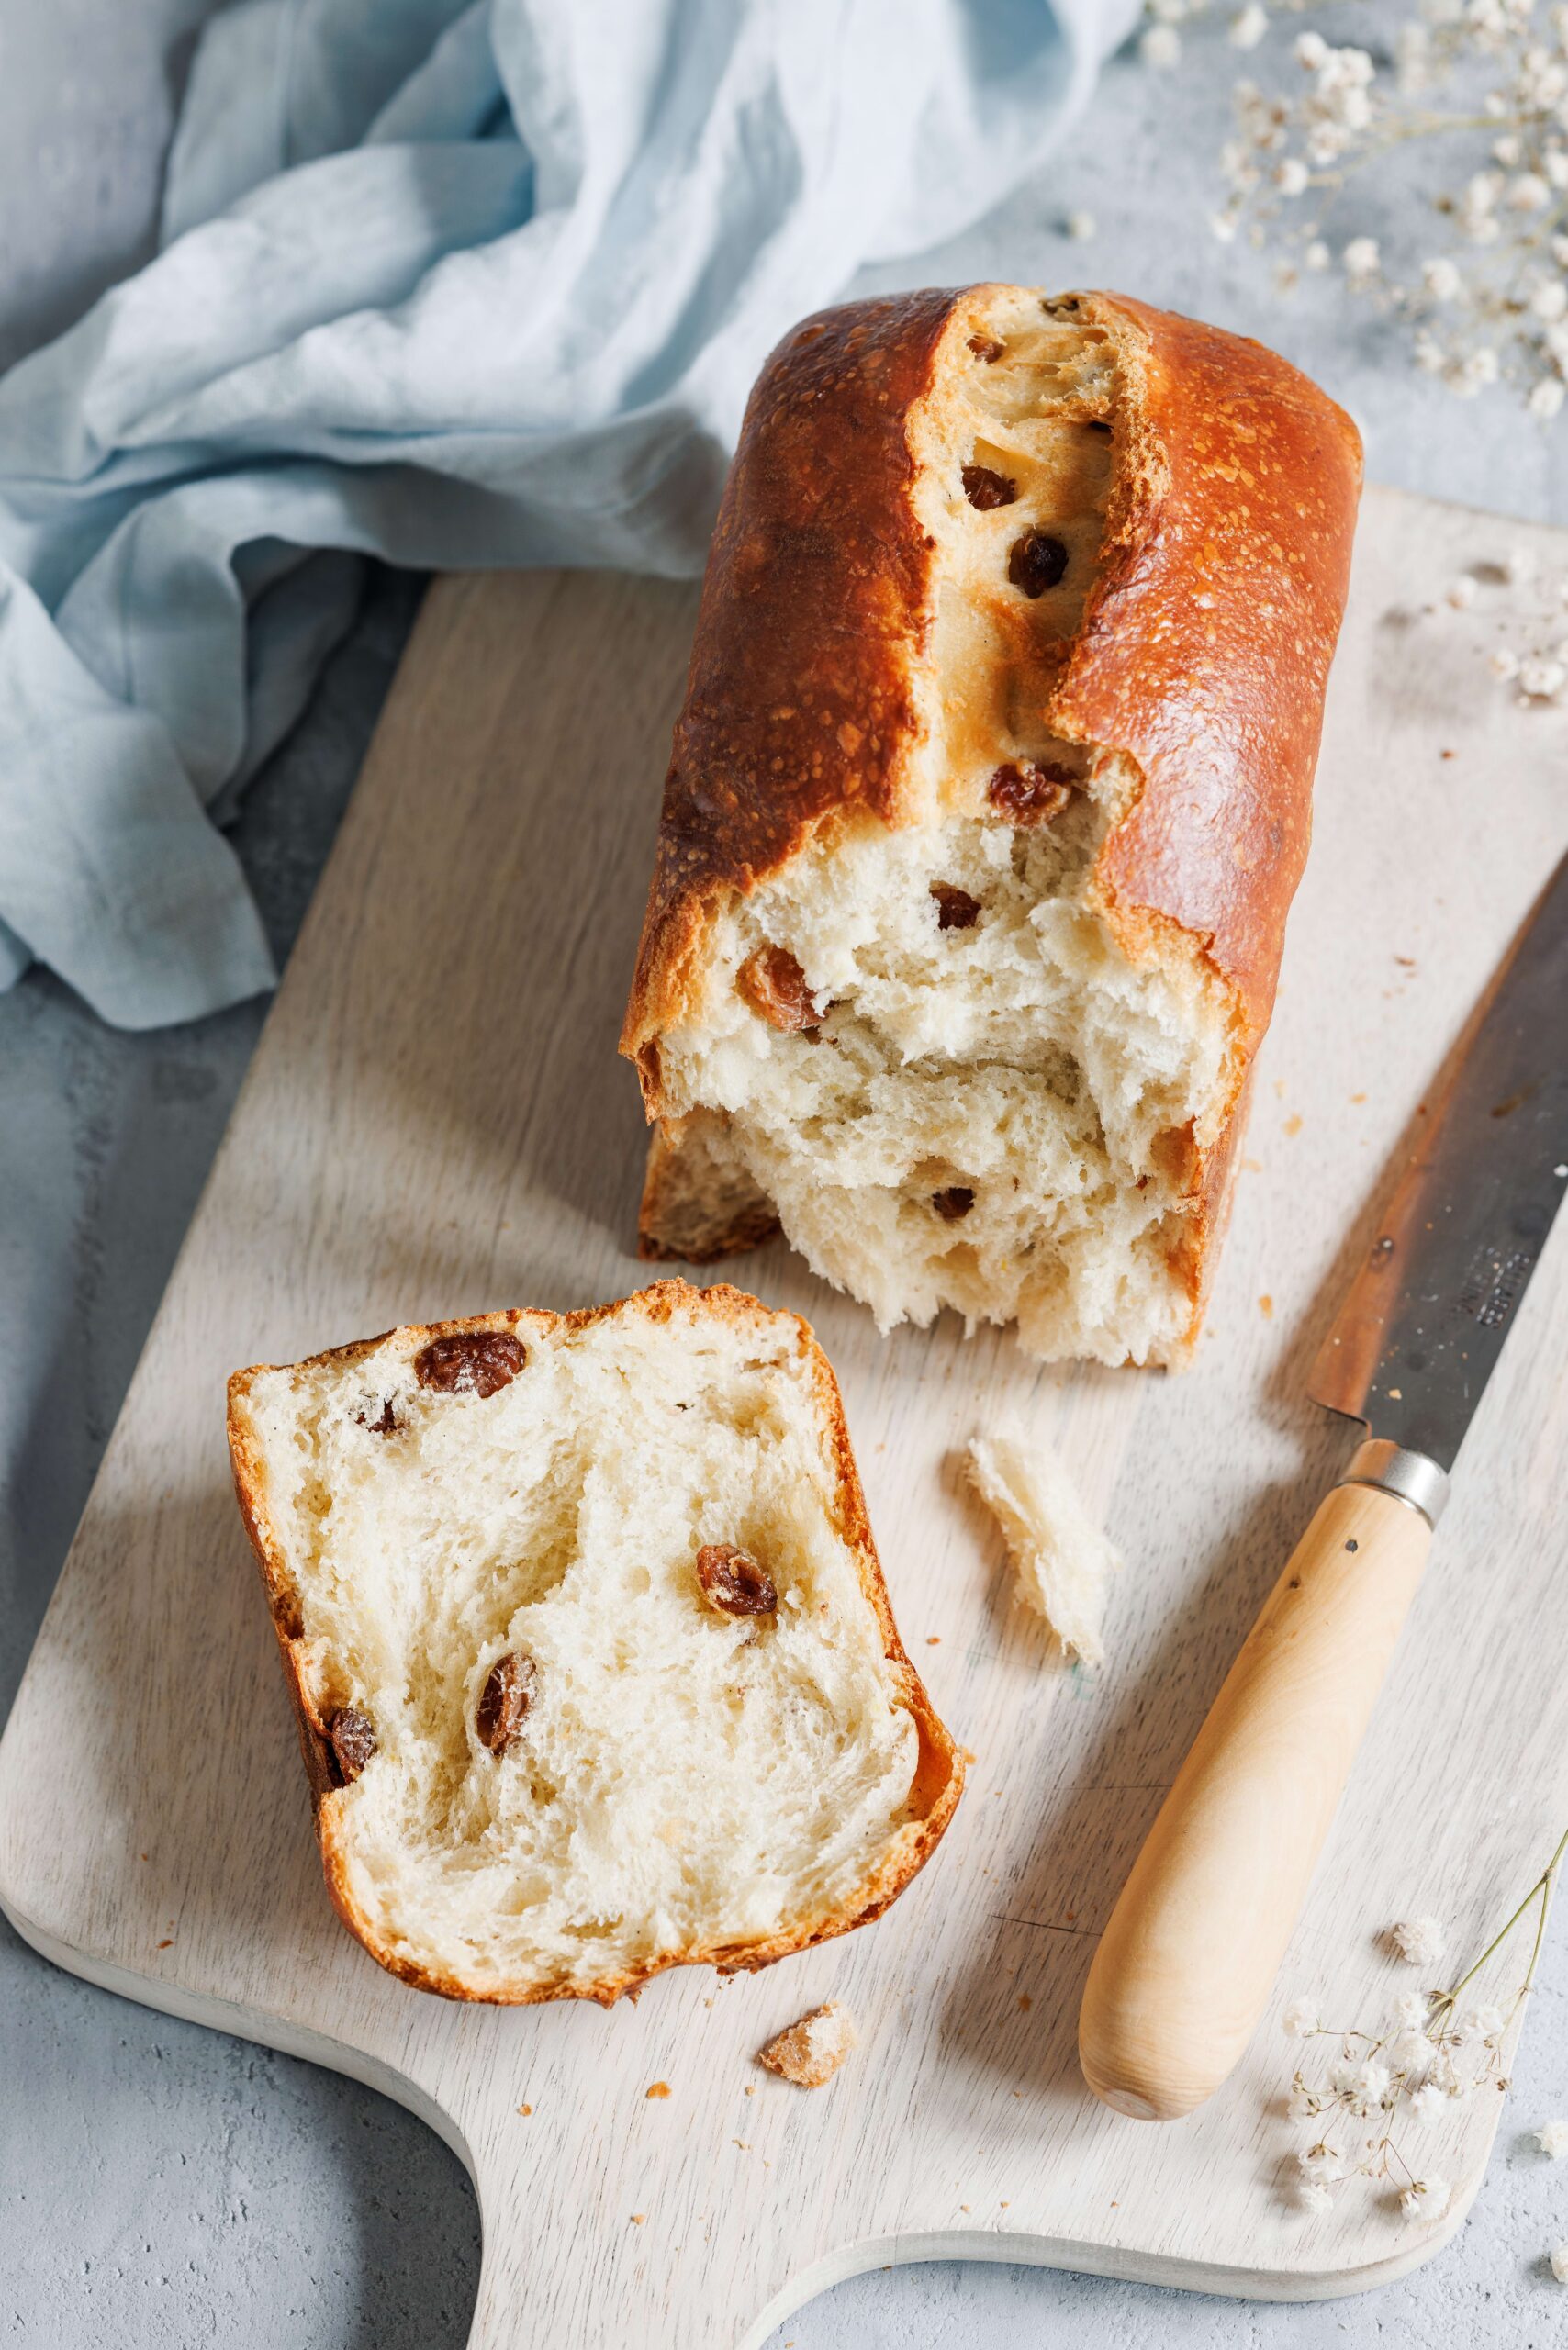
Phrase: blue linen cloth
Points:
(453, 281)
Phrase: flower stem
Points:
(1540, 1890)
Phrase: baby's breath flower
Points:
(1427, 2056)
(1312, 2196)
(1248, 29)
(1359, 259)
(1361, 2084)
(1460, 592)
(1558, 2258)
(1292, 176)
(1478, 368)
(1529, 193)
(1442, 279)
(1318, 255)
(1160, 47)
(1081, 226)
(1550, 300)
(1546, 398)
(1504, 664)
(1412, 58)
(1311, 51)
(1417, 1940)
(1426, 2199)
(1542, 678)
(1300, 2019)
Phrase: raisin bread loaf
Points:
(594, 1666)
(988, 801)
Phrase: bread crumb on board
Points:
(812, 2050)
(1062, 1560)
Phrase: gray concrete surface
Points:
(161, 2184)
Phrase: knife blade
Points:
(1427, 1312)
(1188, 1960)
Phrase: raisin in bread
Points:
(594, 1665)
(987, 803)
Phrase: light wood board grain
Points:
(436, 1123)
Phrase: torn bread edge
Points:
(1063, 1560)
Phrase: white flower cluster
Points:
(1417, 1940)
(1429, 2053)
(1426, 2056)
(1491, 309)
(1528, 625)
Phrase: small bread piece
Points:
(986, 807)
(593, 1661)
(811, 2051)
(1062, 1560)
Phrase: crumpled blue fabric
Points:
(455, 284)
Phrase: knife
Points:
(1187, 1962)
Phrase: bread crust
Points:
(1202, 656)
(939, 1770)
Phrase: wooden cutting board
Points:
(435, 1122)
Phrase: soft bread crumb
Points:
(1061, 1558)
(812, 2050)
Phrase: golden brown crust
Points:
(1205, 646)
(797, 700)
(939, 1771)
(1201, 655)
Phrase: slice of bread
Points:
(593, 1659)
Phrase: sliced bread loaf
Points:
(593, 1659)
(986, 806)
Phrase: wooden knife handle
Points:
(1186, 1965)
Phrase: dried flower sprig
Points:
(1430, 2053)
(1524, 611)
(1491, 305)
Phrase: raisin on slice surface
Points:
(985, 488)
(733, 1582)
(956, 910)
(354, 1741)
(473, 1362)
(504, 1700)
(775, 986)
(1030, 794)
(1036, 562)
